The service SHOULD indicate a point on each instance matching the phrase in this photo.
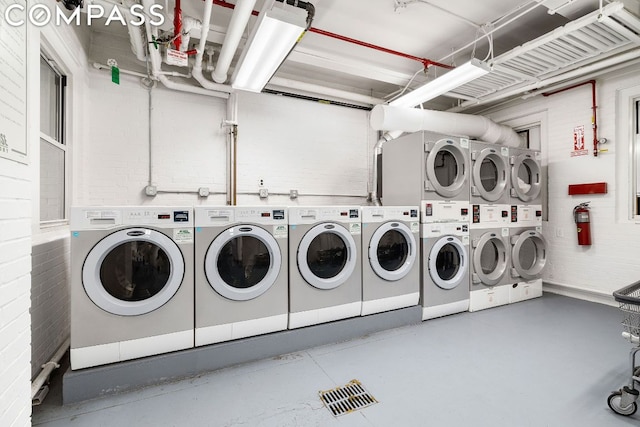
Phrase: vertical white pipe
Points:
(197, 66)
(241, 14)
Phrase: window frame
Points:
(60, 143)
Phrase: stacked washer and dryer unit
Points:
(432, 170)
(481, 217)
(528, 246)
(490, 221)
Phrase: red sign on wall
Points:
(578, 142)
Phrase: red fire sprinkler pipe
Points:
(594, 119)
(177, 25)
(424, 61)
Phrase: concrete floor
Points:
(546, 362)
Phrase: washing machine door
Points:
(526, 177)
(243, 262)
(327, 256)
(529, 254)
(392, 251)
(133, 271)
(446, 168)
(489, 174)
(490, 263)
(448, 262)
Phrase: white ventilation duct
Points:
(387, 118)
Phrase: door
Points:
(490, 263)
(243, 262)
(327, 256)
(528, 254)
(448, 262)
(133, 271)
(526, 177)
(392, 251)
(446, 168)
(489, 174)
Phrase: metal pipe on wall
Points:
(594, 107)
(36, 396)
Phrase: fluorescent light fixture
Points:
(453, 79)
(276, 32)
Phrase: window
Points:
(53, 151)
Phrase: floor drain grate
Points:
(348, 398)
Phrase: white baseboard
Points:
(579, 293)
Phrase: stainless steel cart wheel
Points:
(614, 403)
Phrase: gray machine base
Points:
(91, 383)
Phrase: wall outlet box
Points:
(293, 194)
(203, 191)
(150, 190)
(264, 193)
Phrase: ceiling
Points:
(444, 31)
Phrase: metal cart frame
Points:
(623, 401)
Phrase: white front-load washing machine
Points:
(390, 258)
(528, 260)
(241, 272)
(325, 274)
(428, 169)
(444, 269)
(131, 282)
(526, 186)
(490, 267)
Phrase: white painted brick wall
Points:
(49, 299)
(289, 143)
(15, 266)
(612, 261)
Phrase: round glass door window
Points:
(490, 259)
(446, 168)
(488, 174)
(133, 271)
(529, 254)
(327, 256)
(526, 177)
(243, 262)
(392, 251)
(448, 262)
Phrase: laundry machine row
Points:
(150, 280)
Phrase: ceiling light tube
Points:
(273, 37)
(446, 83)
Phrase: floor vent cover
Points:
(348, 398)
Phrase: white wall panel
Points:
(288, 143)
(611, 262)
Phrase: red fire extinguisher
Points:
(583, 224)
